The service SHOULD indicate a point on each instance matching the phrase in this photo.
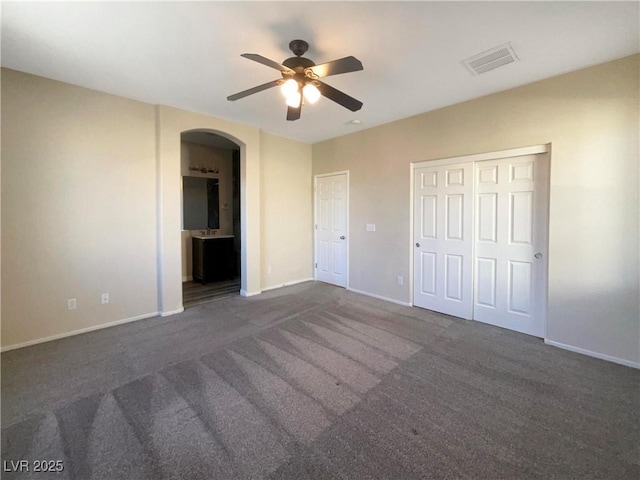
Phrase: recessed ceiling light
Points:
(353, 122)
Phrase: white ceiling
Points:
(187, 54)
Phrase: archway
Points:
(170, 124)
(211, 235)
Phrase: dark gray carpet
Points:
(315, 382)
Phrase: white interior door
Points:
(443, 243)
(511, 205)
(331, 229)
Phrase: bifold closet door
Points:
(480, 241)
(443, 242)
(511, 205)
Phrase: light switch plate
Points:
(371, 227)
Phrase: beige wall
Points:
(78, 208)
(591, 118)
(91, 204)
(286, 211)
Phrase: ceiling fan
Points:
(300, 79)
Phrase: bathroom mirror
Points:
(200, 203)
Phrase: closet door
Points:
(511, 212)
(443, 241)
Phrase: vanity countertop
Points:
(211, 237)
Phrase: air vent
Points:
(491, 59)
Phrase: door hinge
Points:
(316, 265)
(316, 225)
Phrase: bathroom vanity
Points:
(214, 258)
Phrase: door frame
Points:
(315, 223)
(474, 158)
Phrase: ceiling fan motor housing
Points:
(298, 63)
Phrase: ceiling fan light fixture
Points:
(289, 87)
(311, 93)
(294, 99)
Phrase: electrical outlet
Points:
(269, 269)
(105, 298)
(400, 280)
(72, 304)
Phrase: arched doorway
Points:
(170, 124)
(211, 235)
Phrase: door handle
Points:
(418, 245)
(341, 237)
(538, 255)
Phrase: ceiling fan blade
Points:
(269, 63)
(342, 65)
(293, 113)
(253, 90)
(339, 97)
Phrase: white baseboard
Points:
(187, 279)
(244, 293)
(78, 332)
(294, 282)
(601, 356)
(380, 297)
(172, 312)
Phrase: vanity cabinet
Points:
(213, 259)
